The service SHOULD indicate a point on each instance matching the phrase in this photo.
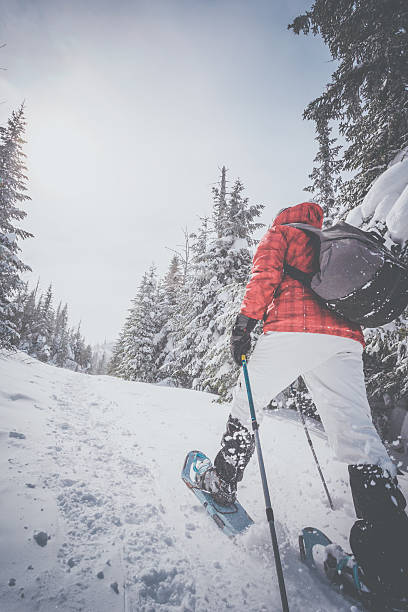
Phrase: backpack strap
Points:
(309, 229)
(299, 275)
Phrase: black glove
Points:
(240, 342)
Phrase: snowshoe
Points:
(342, 572)
(227, 513)
(330, 561)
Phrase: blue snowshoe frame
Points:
(231, 519)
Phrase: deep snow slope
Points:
(98, 471)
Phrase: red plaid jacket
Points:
(281, 301)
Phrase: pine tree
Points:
(45, 320)
(117, 355)
(368, 94)
(325, 177)
(12, 195)
(183, 362)
(212, 294)
(77, 349)
(173, 280)
(168, 299)
(24, 307)
(232, 258)
(386, 360)
(135, 355)
(60, 350)
(220, 212)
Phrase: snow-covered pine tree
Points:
(135, 355)
(24, 316)
(218, 273)
(60, 349)
(13, 193)
(43, 329)
(220, 206)
(325, 177)
(179, 367)
(169, 294)
(82, 360)
(368, 94)
(232, 257)
(117, 355)
(173, 280)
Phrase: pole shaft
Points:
(315, 458)
(268, 505)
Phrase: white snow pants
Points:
(332, 368)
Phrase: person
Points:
(302, 337)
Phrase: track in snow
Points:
(103, 459)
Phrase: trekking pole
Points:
(315, 456)
(269, 511)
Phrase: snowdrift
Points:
(386, 203)
(94, 515)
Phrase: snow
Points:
(386, 202)
(96, 481)
(397, 218)
(239, 243)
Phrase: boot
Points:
(379, 540)
(237, 447)
(223, 493)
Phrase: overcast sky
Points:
(132, 106)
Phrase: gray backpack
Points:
(358, 277)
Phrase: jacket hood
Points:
(306, 212)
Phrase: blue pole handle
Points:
(248, 388)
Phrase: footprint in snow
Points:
(16, 434)
(20, 396)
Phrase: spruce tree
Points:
(24, 309)
(367, 95)
(13, 194)
(60, 349)
(212, 295)
(45, 321)
(169, 294)
(182, 362)
(232, 257)
(325, 177)
(135, 355)
(117, 355)
(173, 280)
(220, 213)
